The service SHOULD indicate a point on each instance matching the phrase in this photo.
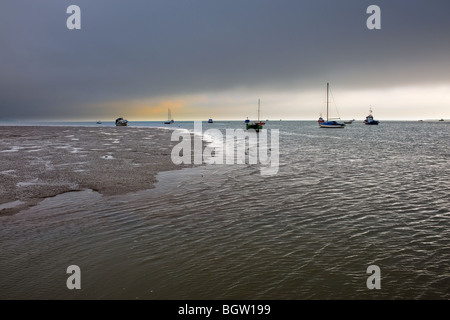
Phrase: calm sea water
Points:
(342, 200)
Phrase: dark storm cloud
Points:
(139, 49)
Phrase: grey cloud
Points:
(138, 49)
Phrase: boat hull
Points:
(369, 119)
(254, 126)
(332, 125)
(121, 122)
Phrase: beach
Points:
(38, 162)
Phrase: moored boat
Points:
(257, 125)
(121, 122)
(169, 118)
(369, 119)
(332, 124)
(320, 120)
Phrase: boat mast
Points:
(258, 108)
(327, 100)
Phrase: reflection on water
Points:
(342, 200)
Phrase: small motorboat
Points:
(121, 122)
(210, 120)
(369, 119)
(320, 120)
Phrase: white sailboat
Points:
(330, 123)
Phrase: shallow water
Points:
(342, 200)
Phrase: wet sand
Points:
(41, 162)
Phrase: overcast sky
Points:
(215, 58)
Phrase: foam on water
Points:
(13, 149)
(8, 172)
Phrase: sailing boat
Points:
(169, 116)
(332, 123)
(255, 125)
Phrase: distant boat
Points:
(320, 120)
(169, 116)
(349, 122)
(258, 125)
(330, 124)
(441, 120)
(99, 122)
(121, 122)
(210, 120)
(369, 119)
